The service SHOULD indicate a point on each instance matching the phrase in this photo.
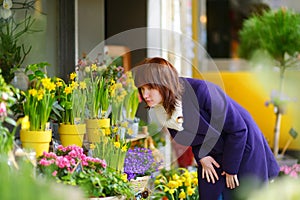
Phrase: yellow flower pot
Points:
(96, 127)
(71, 134)
(36, 140)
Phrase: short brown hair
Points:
(160, 74)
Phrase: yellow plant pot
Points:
(96, 127)
(36, 140)
(71, 134)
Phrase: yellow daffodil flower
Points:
(124, 148)
(32, 92)
(82, 85)
(182, 194)
(175, 177)
(94, 67)
(73, 76)
(68, 90)
(74, 85)
(59, 84)
(172, 184)
(117, 144)
(124, 177)
(190, 191)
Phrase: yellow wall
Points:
(247, 89)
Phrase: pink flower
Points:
(54, 173)
(294, 174)
(44, 162)
(292, 171)
(62, 162)
(3, 111)
(50, 155)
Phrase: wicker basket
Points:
(140, 183)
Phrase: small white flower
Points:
(5, 13)
(7, 4)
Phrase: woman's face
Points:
(151, 96)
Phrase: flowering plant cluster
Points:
(96, 90)
(7, 100)
(72, 98)
(39, 98)
(118, 94)
(292, 171)
(69, 165)
(12, 53)
(113, 146)
(176, 183)
(109, 89)
(131, 100)
(98, 76)
(140, 162)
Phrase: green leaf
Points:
(10, 121)
(39, 73)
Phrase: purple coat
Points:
(215, 125)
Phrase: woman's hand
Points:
(232, 180)
(208, 170)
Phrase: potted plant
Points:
(71, 98)
(272, 40)
(100, 77)
(70, 166)
(12, 52)
(37, 106)
(140, 166)
(97, 94)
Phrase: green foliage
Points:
(70, 166)
(6, 102)
(22, 184)
(12, 52)
(36, 71)
(276, 32)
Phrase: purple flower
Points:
(139, 162)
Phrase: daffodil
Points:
(68, 90)
(73, 75)
(182, 184)
(40, 99)
(117, 144)
(124, 148)
(182, 194)
(190, 191)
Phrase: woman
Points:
(228, 146)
